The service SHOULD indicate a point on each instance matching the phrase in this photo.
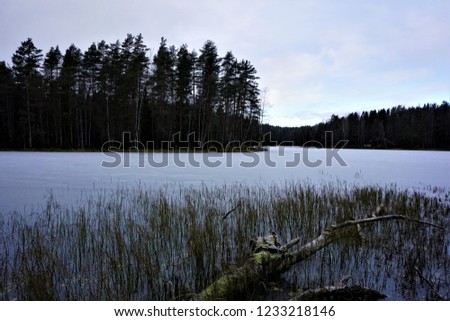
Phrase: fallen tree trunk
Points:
(340, 293)
(241, 283)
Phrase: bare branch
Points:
(332, 234)
(231, 211)
(432, 288)
(381, 218)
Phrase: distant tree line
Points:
(426, 127)
(80, 100)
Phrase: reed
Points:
(169, 244)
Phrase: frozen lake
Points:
(27, 178)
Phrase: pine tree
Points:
(26, 63)
(91, 65)
(161, 82)
(140, 74)
(248, 101)
(52, 63)
(52, 71)
(228, 96)
(183, 88)
(209, 68)
(7, 112)
(111, 76)
(73, 98)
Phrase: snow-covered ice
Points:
(28, 177)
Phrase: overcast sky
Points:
(315, 57)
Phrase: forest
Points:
(425, 127)
(81, 100)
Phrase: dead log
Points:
(240, 283)
(340, 293)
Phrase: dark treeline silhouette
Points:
(82, 100)
(77, 100)
(426, 127)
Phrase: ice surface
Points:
(28, 177)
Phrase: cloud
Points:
(316, 57)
